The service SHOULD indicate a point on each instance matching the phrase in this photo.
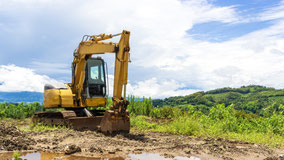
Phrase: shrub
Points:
(19, 111)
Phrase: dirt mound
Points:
(13, 139)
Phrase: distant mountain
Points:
(14, 97)
(252, 99)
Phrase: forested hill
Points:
(253, 99)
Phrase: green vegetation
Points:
(252, 114)
(221, 121)
(249, 118)
(144, 107)
(19, 111)
(16, 156)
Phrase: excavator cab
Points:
(95, 78)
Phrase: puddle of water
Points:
(60, 156)
(156, 156)
(45, 156)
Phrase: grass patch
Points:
(181, 125)
(142, 123)
(192, 126)
(271, 140)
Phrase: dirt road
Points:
(93, 144)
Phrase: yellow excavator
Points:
(89, 88)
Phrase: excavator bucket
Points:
(112, 123)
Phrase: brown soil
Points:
(13, 139)
(96, 144)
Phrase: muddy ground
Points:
(94, 144)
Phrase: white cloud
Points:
(159, 40)
(274, 12)
(159, 89)
(154, 88)
(255, 58)
(14, 78)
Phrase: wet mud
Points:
(13, 139)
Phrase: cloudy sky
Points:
(177, 46)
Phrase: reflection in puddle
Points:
(60, 156)
(156, 156)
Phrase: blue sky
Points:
(215, 31)
(177, 47)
